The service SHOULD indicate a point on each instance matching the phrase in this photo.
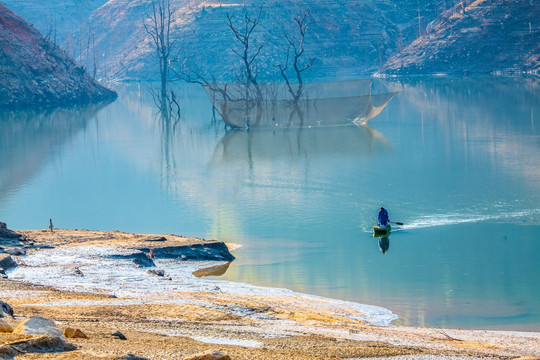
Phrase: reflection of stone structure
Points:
(322, 104)
(264, 146)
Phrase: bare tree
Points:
(158, 24)
(94, 56)
(51, 32)
(295, 52)
(244, 35)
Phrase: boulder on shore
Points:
(6, 234)
(140, 259)
(132, 357)
(5, 327)
(211, 251)
(7, 262)
(40, 344)
(7, 309)
(118, 335)
(209, 355)
(37, 325)
(74, 333)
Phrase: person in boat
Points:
(382, 216)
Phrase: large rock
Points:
(74, 333)
(139, 258)
(6, 234)
(209, 355)
(7, 352)
(131, 357)
(40, 344)
(7, 309)
(5, 327)
(119, 335)
(16, 251)
(212, 251)
(7, 262)
(37, 325)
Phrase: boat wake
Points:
(460, 218)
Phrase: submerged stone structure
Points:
(320, 105)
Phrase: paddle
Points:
(397, 223)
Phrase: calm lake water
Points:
(456, 160)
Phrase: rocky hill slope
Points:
(35, 72)
(485, 37)
(60, 20)
(347, 37)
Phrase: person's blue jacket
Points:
(382, 216)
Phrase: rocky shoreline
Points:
(70, 301)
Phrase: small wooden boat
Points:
(381, 231)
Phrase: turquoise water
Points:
(456, 160)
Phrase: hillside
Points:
(61, 20)
(486, 37)
(35, 72)
(347, 37)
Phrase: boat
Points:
(382, 231)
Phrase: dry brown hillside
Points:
(484, 37)
(35, 72)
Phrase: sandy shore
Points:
(178, 315)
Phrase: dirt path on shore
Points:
(244, 325)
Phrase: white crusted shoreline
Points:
(242, 317)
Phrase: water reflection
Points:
(29, 139)
(494, 116)
(216, 270)
(384, 243)
(168, 115)
(264, 146)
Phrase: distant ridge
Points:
(34, 72)
(485, 37)
(349, 38)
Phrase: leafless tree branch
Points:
(296, 46)
(243, 34)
